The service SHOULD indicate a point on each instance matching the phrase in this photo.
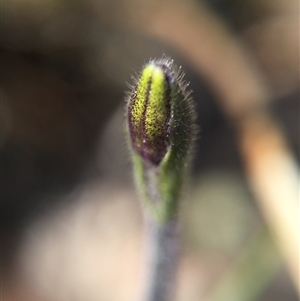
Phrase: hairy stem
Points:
(162, 254)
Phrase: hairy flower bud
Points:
(161, 128)
(149, 113)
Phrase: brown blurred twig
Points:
(274, 178)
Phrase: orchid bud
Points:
(149, 113)
(161, 127)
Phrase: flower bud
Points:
(161, 127)
(149, 113)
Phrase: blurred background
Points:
(71, 222)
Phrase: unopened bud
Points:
(161, 128)
(149, 113)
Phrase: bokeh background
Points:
(71, 222)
